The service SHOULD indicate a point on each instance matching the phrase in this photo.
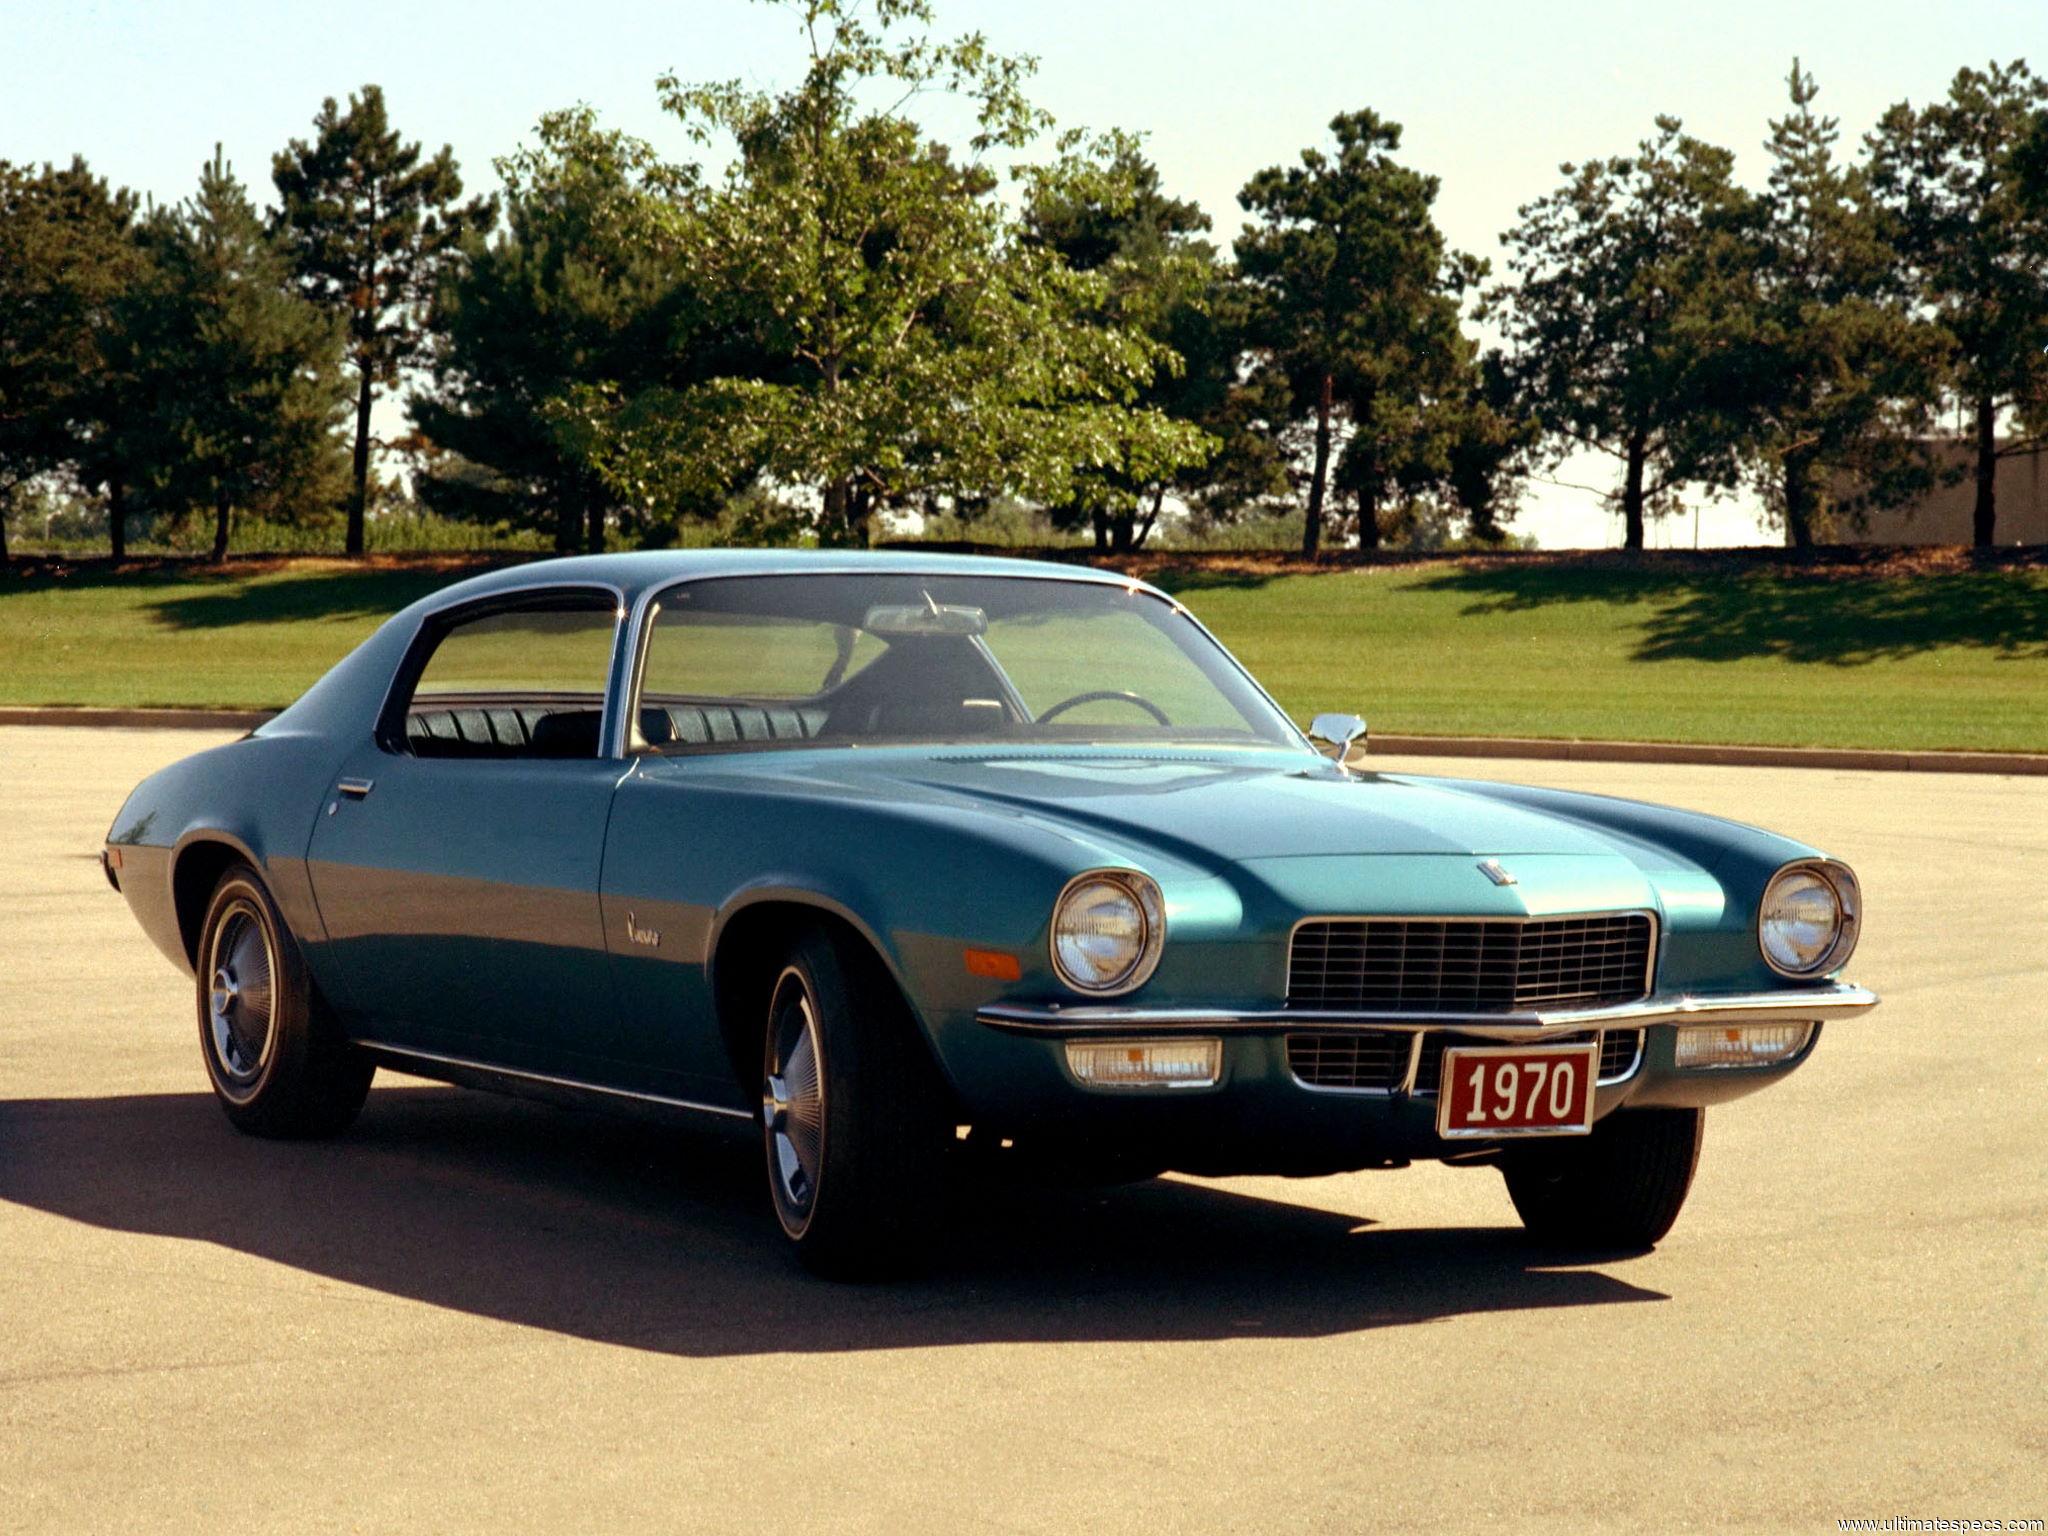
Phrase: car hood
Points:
(1205, 809)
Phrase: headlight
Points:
(1807, 923)
(1107, 929)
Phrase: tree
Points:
(1357, 301)
(1837, 375)
(244, 372)
(904, 341)
(584, 285)
(370, 226)
(1633, 278)
(1102, 208)
(1953, 181)
(67, 250)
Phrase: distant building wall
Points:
(1944, 515)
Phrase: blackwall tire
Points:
(1620, 1188)
(855, 1125)
(277, 1059)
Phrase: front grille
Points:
(1425, 965)
(1373, 1058)
(1378, 1058)
(1620, 1050)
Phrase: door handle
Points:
(355, 789)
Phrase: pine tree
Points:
(1633, 279)
(1955, 184)
(1357, 305)
(1839, 376)
(371, 227)
(245, 371)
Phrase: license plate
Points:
(1517, 1090)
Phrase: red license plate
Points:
(1517, 1090)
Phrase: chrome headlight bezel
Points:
(1840, 880)
(1144, 893)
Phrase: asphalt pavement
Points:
(472, 1313)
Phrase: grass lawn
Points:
(1670, 650)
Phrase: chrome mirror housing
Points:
(1334, 734)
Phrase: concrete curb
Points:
(1697, 752)
(1530, 747)
(142, 719)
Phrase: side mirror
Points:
(1334, 734)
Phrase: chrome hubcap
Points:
(793, 1100)
(239, 999)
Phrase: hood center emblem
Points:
(1491, 868)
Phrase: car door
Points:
(456, 861)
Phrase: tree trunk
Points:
(568, 526)
(220, 522)
(1312, 527)
(835, 530)
(1984, 520)
(117, 519)
(359, 487)
(1368, 522)
(1632, 494)
(594, 543)
(6, 503)
(1101, 521)
(1798, 505)
(1144, 529)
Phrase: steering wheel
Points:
(1120, 695)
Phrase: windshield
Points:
(736, 663)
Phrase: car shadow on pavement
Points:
(645, 1237)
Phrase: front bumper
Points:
(1259, 1116)
(1806, 1005)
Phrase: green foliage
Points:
(906, 343)
(1837, 376)
(67, 252)
(370, 226)
(1632, 280)
(585, 283)
(1960, 186)
(1357, 304)
(1102, 209)
(240, 371)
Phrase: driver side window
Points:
(524, 681)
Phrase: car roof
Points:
(639, 571)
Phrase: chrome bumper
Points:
(1815, 1005)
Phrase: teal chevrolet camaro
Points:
(925, 866)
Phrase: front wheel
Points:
(278, 1061)
(853, 1114)
(1622, 1187)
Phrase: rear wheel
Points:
(853, 1114)
(277, 1060)
(1621, 1187)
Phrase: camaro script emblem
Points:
(1492, 870)
(651, 937)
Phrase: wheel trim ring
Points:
(793, 1102)
(241, 998)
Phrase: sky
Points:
(1493, 97)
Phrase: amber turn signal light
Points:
(995, 964)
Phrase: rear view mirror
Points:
(906, 620)
(1334, 734)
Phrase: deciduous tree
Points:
(905, 341)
